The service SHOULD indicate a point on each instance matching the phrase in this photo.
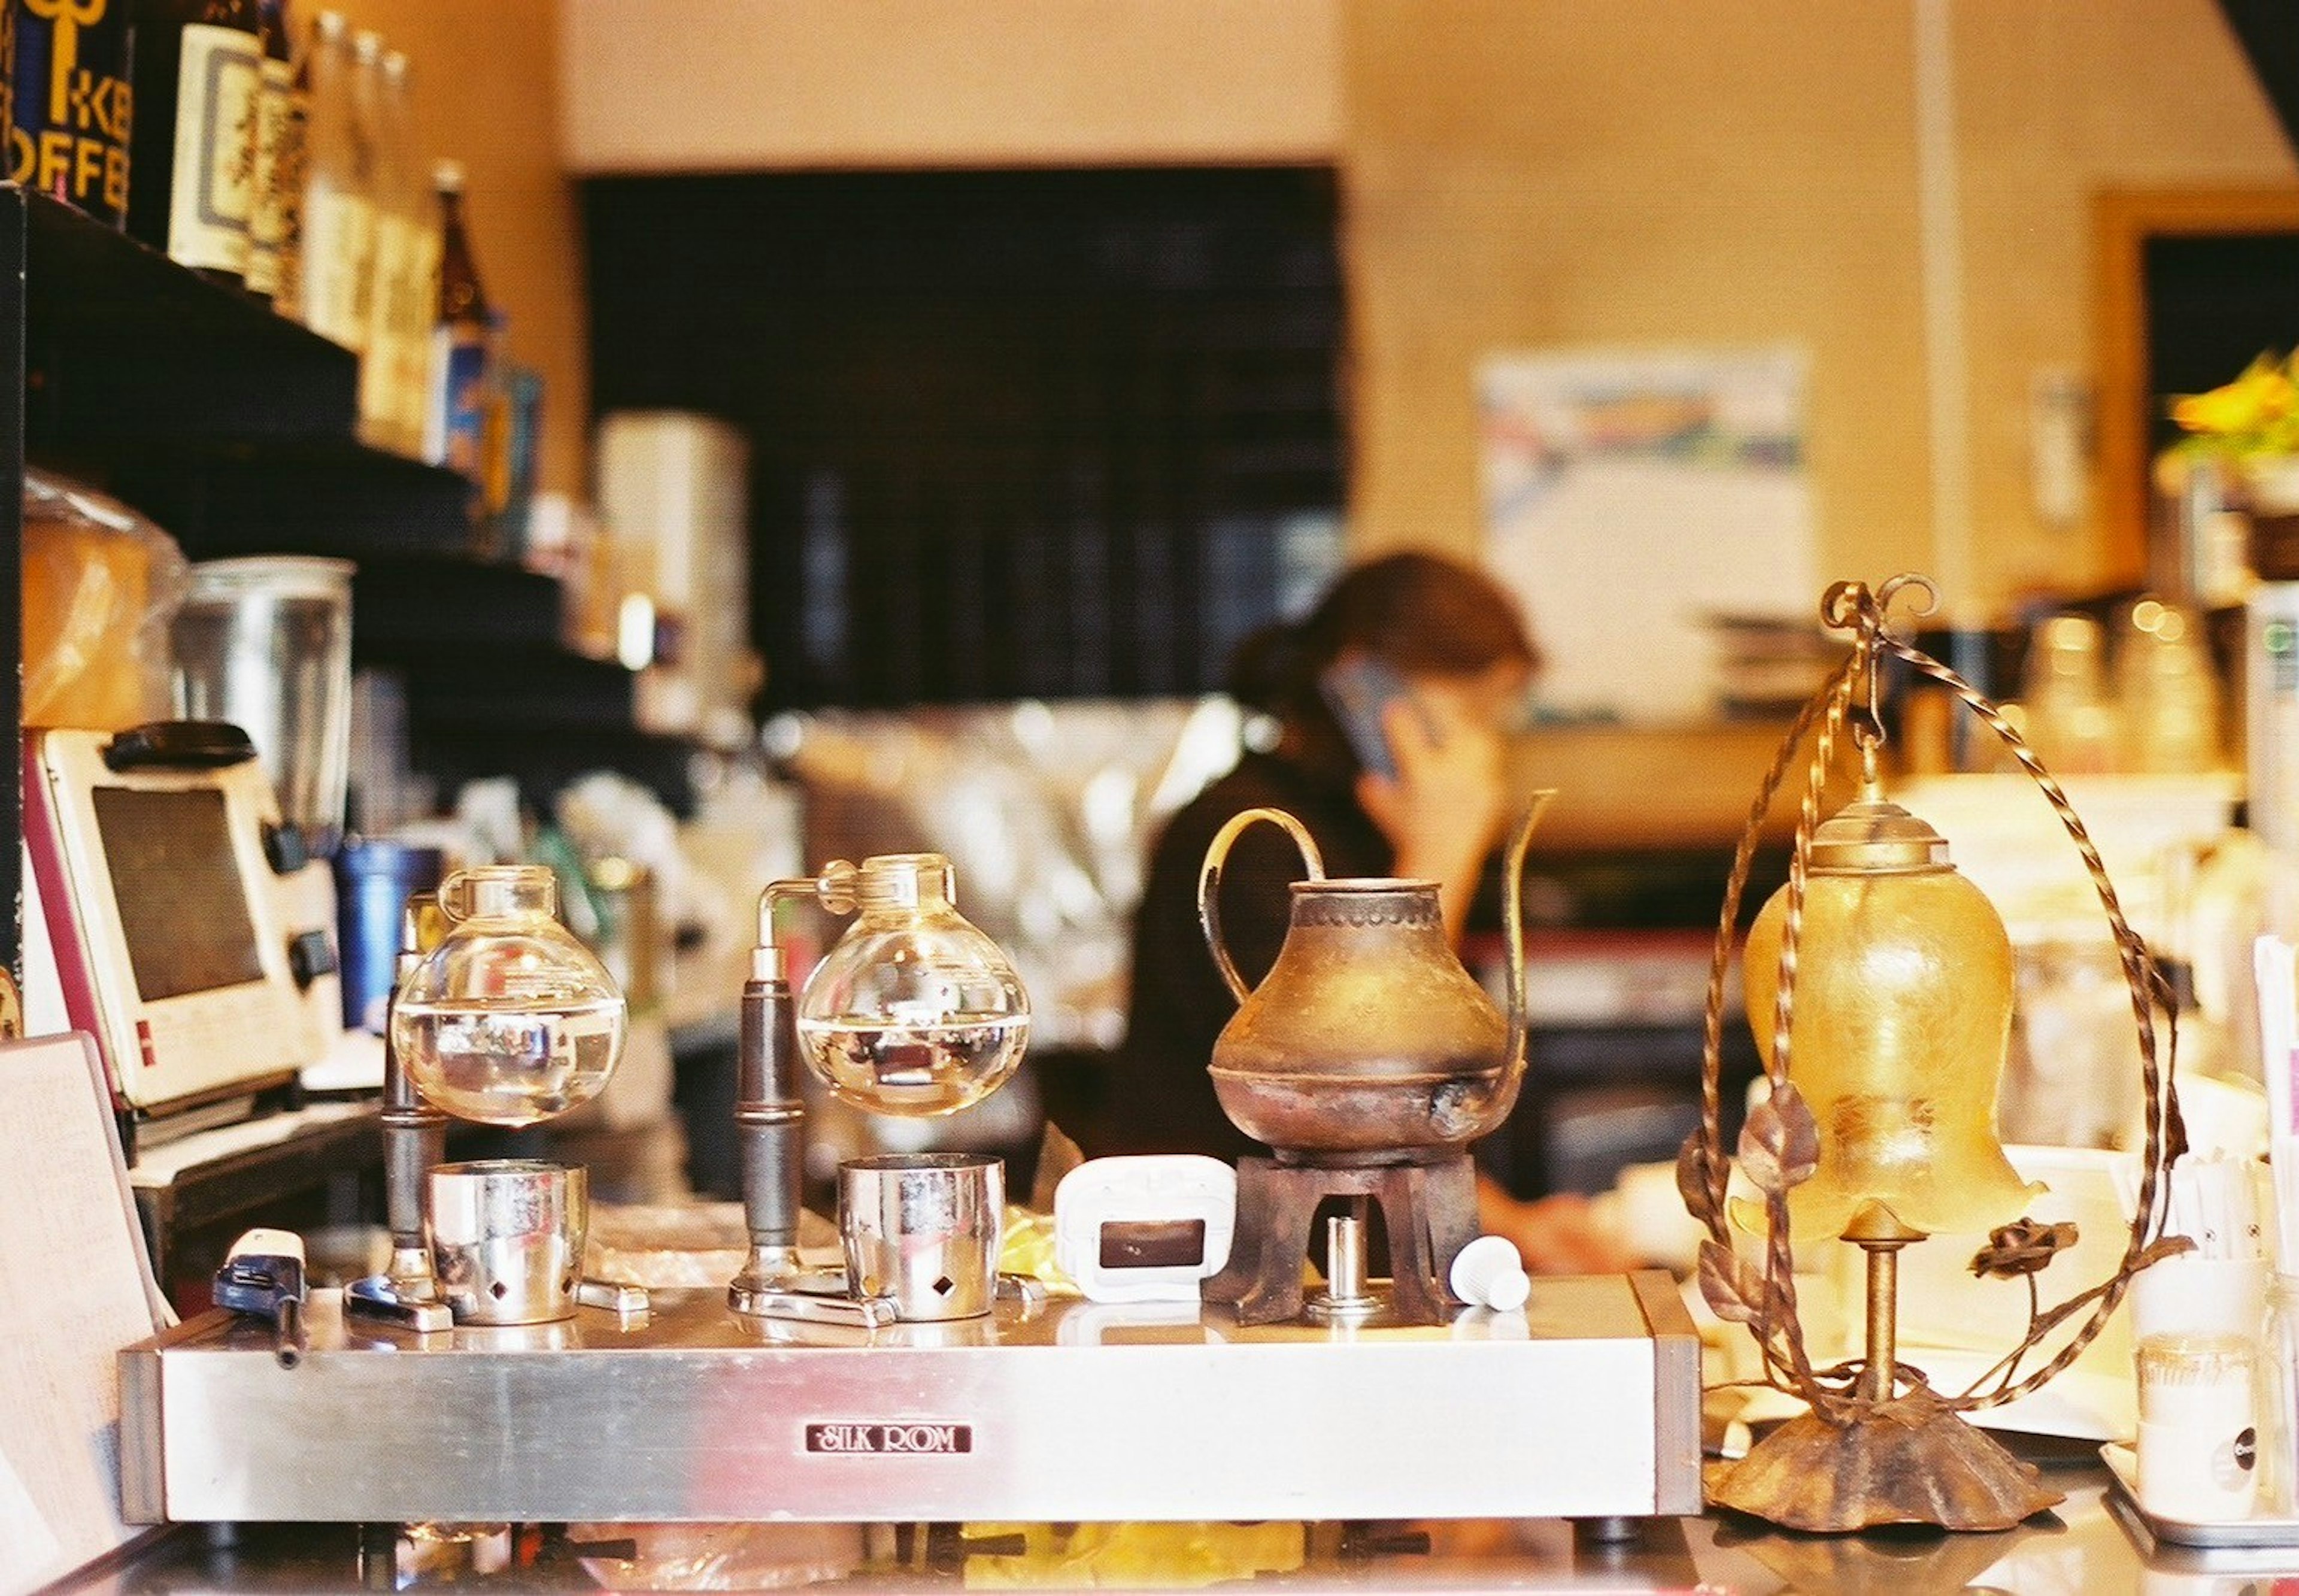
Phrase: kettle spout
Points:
(1513, 923)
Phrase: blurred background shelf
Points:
(546, 759)
(235, 430)
(413, 608)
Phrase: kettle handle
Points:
(1520, 1020)
(1209, 882)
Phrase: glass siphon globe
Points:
(510, 1020)
(913, 1011)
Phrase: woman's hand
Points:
(1554, 1235)
(1442, 810)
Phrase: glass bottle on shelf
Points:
(339, 235)
(2073, 722)
(398, 306)
(198, 82)
(454, 431)
(274, 128)
(279, 209)
(367, 122)
(418, 283)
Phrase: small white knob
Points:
(1487, 1273)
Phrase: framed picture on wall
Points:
(2191, 285)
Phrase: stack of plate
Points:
(1768, 665)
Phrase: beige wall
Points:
(486, 92)
(1518, 174)
(1582, 172)
(736, 85)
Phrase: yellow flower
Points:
(2256, 414)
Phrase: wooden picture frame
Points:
(2125, 223)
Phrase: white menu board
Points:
(75, 1287)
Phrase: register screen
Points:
(181, 904)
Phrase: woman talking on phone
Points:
(1389, 700)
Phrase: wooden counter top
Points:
(1628, 788)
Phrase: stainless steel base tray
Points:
(1586, 1403)
(2123, 1470)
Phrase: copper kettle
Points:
(1368, 1043)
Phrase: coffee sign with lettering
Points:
(68, 101)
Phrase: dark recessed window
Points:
(1064, 434)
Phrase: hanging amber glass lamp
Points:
(1878, 984)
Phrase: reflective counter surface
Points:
(2088, 1545)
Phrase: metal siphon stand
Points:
(770, 1129)
(414, 1139)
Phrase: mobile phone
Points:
(1360, 690)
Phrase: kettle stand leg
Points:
(1275, 1210)
(1428, 1210)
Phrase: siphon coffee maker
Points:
(913, 1012)
(499, 1016)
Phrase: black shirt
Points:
(1160, 1098)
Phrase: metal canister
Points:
(374, 880)
(68, 101)
(921, 1231)
(507, 1239)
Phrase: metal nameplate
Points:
(897, 1439)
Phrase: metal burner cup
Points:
(507, 1239)
(921, 1231)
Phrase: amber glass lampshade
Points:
(1902, 1012)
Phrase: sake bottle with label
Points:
(461, 340)
(277, 129)
(337, 258)
(198, 86)
(392, 372)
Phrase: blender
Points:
(265, 643)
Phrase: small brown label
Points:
(874, 1440)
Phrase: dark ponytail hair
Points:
(1422, 613)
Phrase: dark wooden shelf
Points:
(284, 495)
(414, 608)
(121, 343)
